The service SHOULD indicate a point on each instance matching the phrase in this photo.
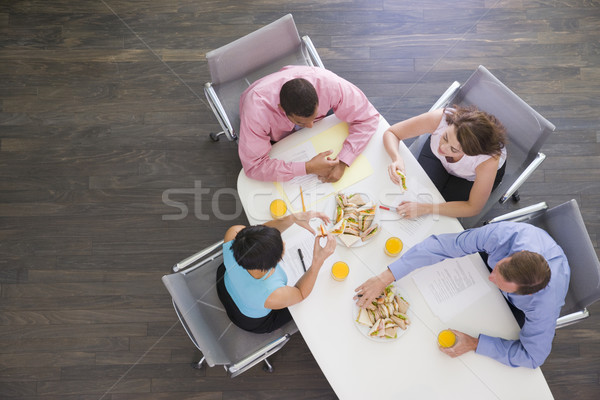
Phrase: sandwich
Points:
(369, 233)
(349, 240)
(339, 228)
(402, 179)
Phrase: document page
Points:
(450, 286)
(296, 239)
(313, 189)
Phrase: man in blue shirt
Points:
(528, 267)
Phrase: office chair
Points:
(565, 224)
(526, 130)
(192, 286)
(238, 64)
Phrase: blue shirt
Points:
(501, 240)
(247, 292)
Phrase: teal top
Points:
(247, 292)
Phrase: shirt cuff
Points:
(346, 156)
(299, 168)
(486, 346)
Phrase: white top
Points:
(465, 167)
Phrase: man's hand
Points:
(335, 174)
(464, 344)
(372, 288)
(321, 164)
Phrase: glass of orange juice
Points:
(278, 208)
(339, 270)
(446, 338)
(393, 246)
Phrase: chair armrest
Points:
(572, 318)
(519, 214)
(312, 51)
(197, 256)
(445, 98)
(219, 111)
(523, 177)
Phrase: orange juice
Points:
(339, 270)
(393, 246)
(278, 208)
(446, 338)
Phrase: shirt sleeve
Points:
(533, 346)
(437, 248)
(363, 119)
(254, 147)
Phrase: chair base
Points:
(215, 136)
(199, 364)
(516, 197)
(267, 367)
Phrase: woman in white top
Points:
(464, 157)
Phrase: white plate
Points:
(365, 329)
(370, 198)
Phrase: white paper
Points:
(450, 286)
(296, 238)
(312, 188)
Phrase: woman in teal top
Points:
(251, 284)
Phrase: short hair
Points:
(258, 247)
(527, 269)
(298, 97)
(477, 131)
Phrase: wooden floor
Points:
(102, 114)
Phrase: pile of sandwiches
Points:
(354, 219)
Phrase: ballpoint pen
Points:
(302, 259)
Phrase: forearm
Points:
(391, 143)
(456, 209)
(281, 224)
(306, 283)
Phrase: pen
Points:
(302, 198)
(302, 259)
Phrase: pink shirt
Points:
(262, 121)
(465, 167)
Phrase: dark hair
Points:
(258, 247)
(527, 269)
(298, 97)
(477, 131)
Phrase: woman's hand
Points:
(320, 254)
(303, 219)
(411, 209)
(396, 165)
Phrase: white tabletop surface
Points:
(410, 367)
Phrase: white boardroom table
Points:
(410, 367)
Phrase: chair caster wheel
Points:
(516, 197)
(267, 368)
(214, 136)
(197, 365)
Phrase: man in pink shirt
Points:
(293, 98)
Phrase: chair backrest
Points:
(251, 52)
(200, 311)
(238, 64)
(526, 129)
(565, 224)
